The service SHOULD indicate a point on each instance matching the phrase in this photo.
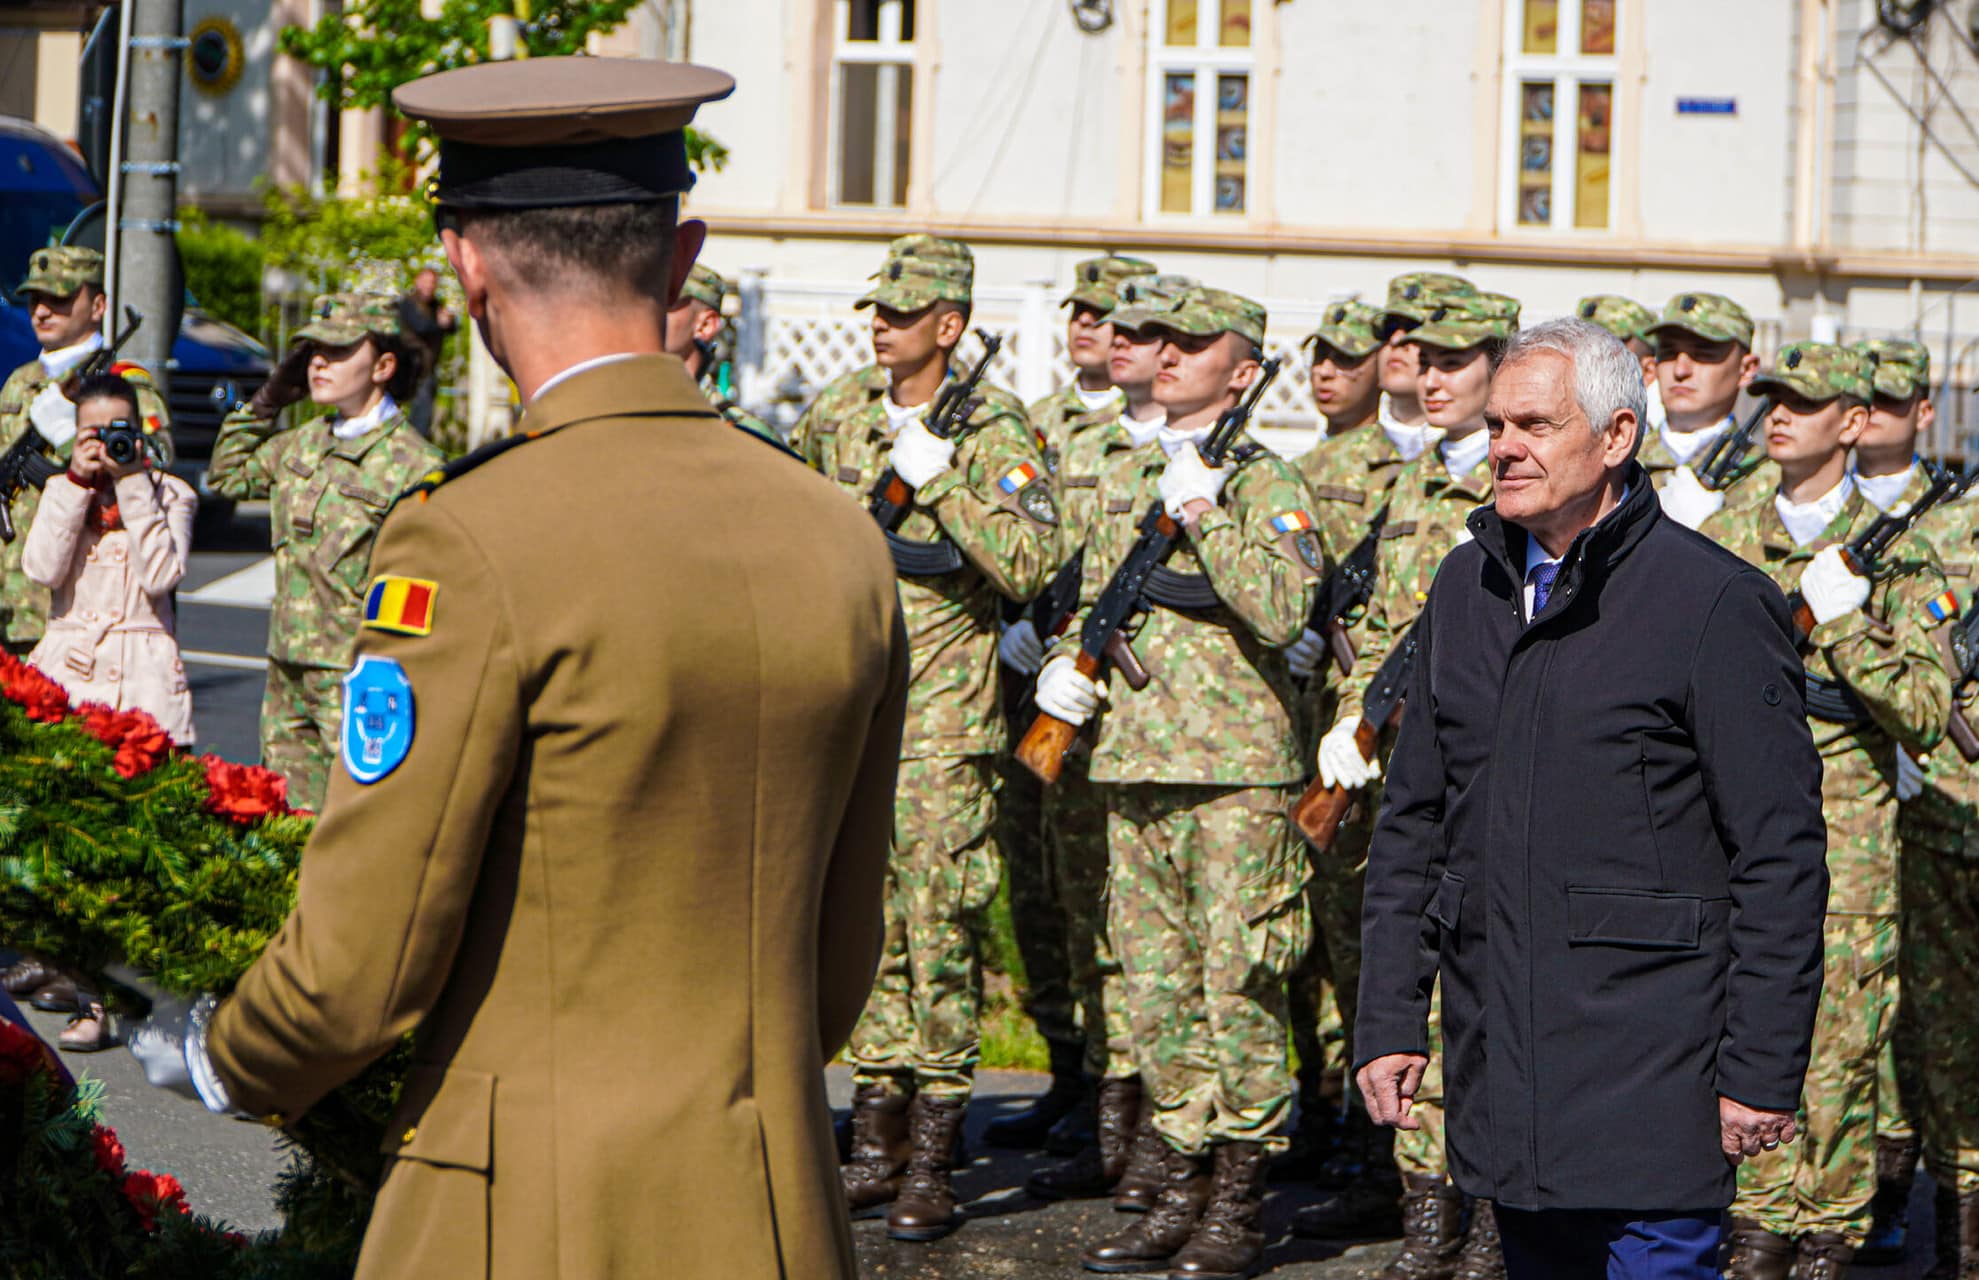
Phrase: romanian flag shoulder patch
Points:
(1291, 522)
(1017, 477)
(403, 606)
(1942, 606)
(130, 372)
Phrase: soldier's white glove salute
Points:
(1910, 776)
(1687, 501)
(919, 455)
(52, 414)
(1306, 653)
(1341, 763)
(1020, 649)
(1187, 479)
(1832, 590)
(1066, 695)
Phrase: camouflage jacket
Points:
(1221, 705)
(1349, 476)
(842, 397)
(1054, 415)
(1090, 441)
(326, 498)
(1913, 489)
(1010, 539)
(1887, 655)
(1945, 817)
(740, 417)
(24, 603)
(1756, 477)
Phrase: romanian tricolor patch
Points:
(1942, 606)
(1017, 478)
(1291, 522)
(130, 372)
(403, 606)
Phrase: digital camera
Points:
(124, 442)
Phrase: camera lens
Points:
(121, 446)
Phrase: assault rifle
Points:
(1347, 588)
(1719, 466)
(1320, 811)
(1864, 553)
(1963, 639)
(1059, 600)
(892, 496)
(1103, 639)
(26, 462)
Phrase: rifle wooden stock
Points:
(1959, 730)
(896, 490)
(1048, 739)
(1342, 646)
(1320, 811)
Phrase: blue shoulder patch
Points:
(378, 718)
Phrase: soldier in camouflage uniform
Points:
(1207, 909)
(985, 504)
(63, 292)
(693, 327)
(329, 482)
(1461, 341)
(1088, 342)
(1630, 321)
(1873, 646)
(1703, 345)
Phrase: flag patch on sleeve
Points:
(1942, 606)
(1291, 522)
(403, 606)
(1017, 478)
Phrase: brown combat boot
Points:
(1957, 1236)
(1154, 1238)
(1824, 1255)
(1483, 1257)
(1097, 1169)
(1757, 1254)
(1229, 1242)
(1140, 1186)
(1889, 1212)
(880, 1147)
(925, 1207)
(1432, 1230)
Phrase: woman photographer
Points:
(329, 482)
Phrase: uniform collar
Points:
(1684, 446)
(1778, 543)
(1893, 494)
(57, 363)
(582, 366)
(647, 384)
(1804, 522)
(353, 448)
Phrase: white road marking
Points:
(249, 588)
(204, 658)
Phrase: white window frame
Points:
(1567, 70)
(1208, 60)
(890, 54)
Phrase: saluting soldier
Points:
(982, 528)
(693, 327)
(611, 841)
(1703, 344)
(64, 296)
(329, 483)
(1460, 342)
(1088, 344)
(1206, 902)
(1876, 682)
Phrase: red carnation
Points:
(23, 1055)
(243, 792)
(40, 697)
(108, 1151)
(139, 740)
(150, 1194)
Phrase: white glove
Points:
(159, 1045)
(1687, 501)
(1910, 776)
(52, 415)
(1066, 695)
(1832, 590)
(1020, 649)
(919, 455)
(1188, 478)
(1306, 654)
(1341, 763)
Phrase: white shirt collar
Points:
(1659, 418)
(1172, 439)
(370, 420)
(582, 366)
(1685, 445)
(1410, 442)
(57, 363)
(1806, 520)
(1461, 457)
(898, 416)
(1884, 492)
(1096, 400)
(1142, 433)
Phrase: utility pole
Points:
(148, 221)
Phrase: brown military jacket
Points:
(626, 883)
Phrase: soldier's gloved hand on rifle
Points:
(1186, 479)
(286, 385)
(1341, 763)
(53, 415)
(1066, 695)
(1832, 589)
(919, 455)
(1306, 654)
(1910, 776)
(170, 1047)
(1020, 649)
(1687, 501)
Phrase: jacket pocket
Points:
(446, 1116)
(1447, 905)
(1640, 918)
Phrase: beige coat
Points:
(626, 882)
(110, 637)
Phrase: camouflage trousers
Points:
(1825, 1179)
(1421, 1151)
(1206, 908)
(922, 1025)
(301, 724)
(1940, 967)
(1326, 988)
(1075, 835)
(1035, 914)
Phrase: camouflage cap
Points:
(921, 271)
(1902, 366)
(1413, 296)
(705, 286)
(1351, 328)
(1820, 371)
(1626, 318)
(339, 319)
(1458, 324)
(60, 270)
(1711, 316)
(1096, 281)
(1203, 311)
(1146, 299)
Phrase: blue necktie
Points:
(1542, 584)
